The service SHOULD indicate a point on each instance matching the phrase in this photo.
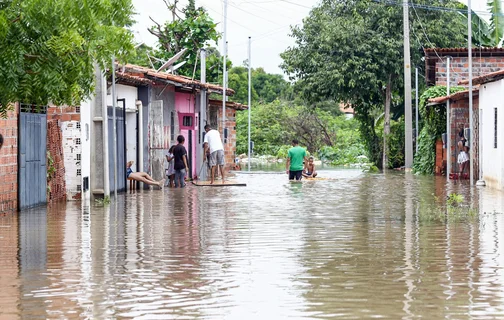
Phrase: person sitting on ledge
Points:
(142, 176)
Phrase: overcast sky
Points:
(266, 21)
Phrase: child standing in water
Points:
(170, 172)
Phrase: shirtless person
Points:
(309, 169)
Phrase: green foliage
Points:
(193, 30)
(434, 124)
(454, 210)
(347, 50)
(396, 142)
(48, 48)
(103, 201)
(486, 34)
(50, 170)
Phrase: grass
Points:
(453, 211)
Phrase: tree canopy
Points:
(48, 47)
(351, 51)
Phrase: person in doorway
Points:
(463, 157)
(180, 162)
(213, 143)
(309, 169)
(1, 141)
(295, 159)
(170, 172)
(142, 176)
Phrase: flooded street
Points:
(350, 248)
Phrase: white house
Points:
(491, 108)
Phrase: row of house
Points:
(487, 149)
(61, 152)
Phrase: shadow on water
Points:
(351, 246)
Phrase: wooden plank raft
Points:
(218, 183)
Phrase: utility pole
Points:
(416, 110)
(203, 110)
(448, 128)
(114, 134)
(471, 124)
(224, 73)
(407, 89)
(249, 97)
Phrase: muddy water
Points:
(350, 248)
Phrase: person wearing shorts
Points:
(213, 143)
(295, 161)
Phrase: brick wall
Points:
(230, 143)
(459, 69)
(9, 161)
(54, 147)
(69, 180)
(459, 116)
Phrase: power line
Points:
(236, 7)
(241, 25)
(296, 4)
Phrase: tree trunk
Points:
(386, 124)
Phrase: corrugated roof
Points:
(151, 74)
(490, 77)
(229, 104)
(454, 97)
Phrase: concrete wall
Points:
(130, 94)
(491, 97)
(9, 162)
(72, 150)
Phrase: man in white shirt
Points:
(214, 143)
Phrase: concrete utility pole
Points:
(249, 97)
(471, 124)
(416, 109)
(407, 89)
(448, 128)
(224, 73)
(114, 134)
(203, 110)
(140, 167)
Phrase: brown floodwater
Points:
(354, 247)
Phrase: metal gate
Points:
(32, 172)
(121, 149)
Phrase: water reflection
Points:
(351, 247)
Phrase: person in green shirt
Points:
(295, 159)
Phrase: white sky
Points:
(266, 21)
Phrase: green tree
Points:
(350, 51)
(191, 28)
(486, 34)
(48, 47)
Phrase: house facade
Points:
(71, 156)
(491, 110)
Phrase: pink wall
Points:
(185, 103)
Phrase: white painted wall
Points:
(85, 113)
(124, 92)
(491, 97)
(131, 139)
(129, 93)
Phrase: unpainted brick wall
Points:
(459, 119)
(54, 147)
(230, 143)
(9, 161)
(459, 69)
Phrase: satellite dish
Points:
(175, 67)
(172, 60)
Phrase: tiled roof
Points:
(476, 51)
(229, 104)
(490, 77)
(454, 97)
(153, 75)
